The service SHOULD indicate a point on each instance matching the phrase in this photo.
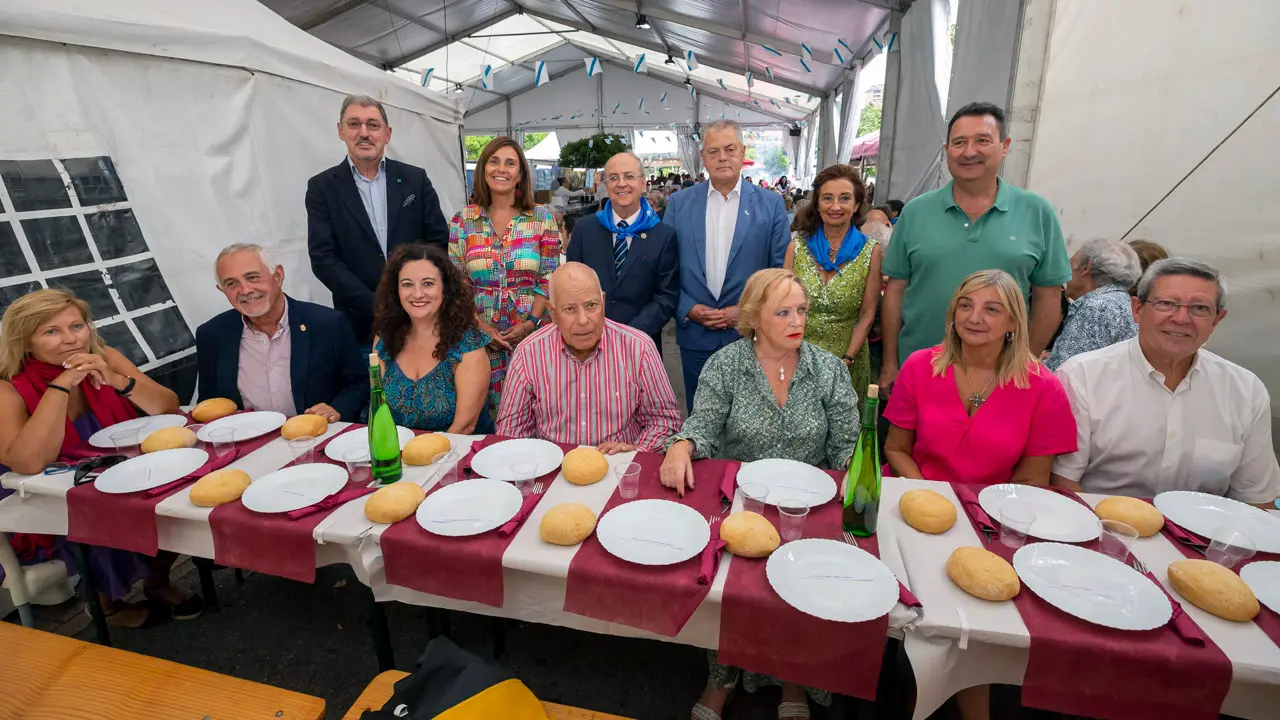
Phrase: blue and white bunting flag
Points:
(691, 60)
(749, 75)
(879, 45)
(892, 39)
(641, 65)
(640, 105)
(484, 78)
(788, 99)
(769, 49)
(845, 45)
(805, 65)
(693, 93)
(805, 52)
(542, 76)
(641, 132)
(768, 71)
(593, 66)
(617, 107)
(663, 99)
(839, 57)
(773, 102)
(721, 82)
(591, 143)
(426, 76)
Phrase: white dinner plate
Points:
(144, 425)
(1203, 514)
(151, 470)
(653, 532)
(788, 479)
(359, 440)
(832, 580)
(1058, 518)
(1263, 578)
(248, 425)
(469, 508)
(496, 460)
(1094, 587)
(294, 488)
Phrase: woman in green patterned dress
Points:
(840, 268)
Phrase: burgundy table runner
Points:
(274, 543)
(657, 599)
(1079, 668)
(461, 568)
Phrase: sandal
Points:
(702, 712)
(190, 608)
(793, 711)
(158, 613)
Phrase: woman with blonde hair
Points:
(768, 395)
(59, 384)
(979, 408)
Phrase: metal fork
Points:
(1136, 564)
(538, 488)
(713, 519)
(850, 538)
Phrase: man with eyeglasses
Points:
(726, 230)
(634, 255)
(1159, 412)
(359, 211)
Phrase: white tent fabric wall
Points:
(1116, 132)
(982, 69)
(850, 111)
(919, 128)
(688, 148)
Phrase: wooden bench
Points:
(44, 676)
(379, 692)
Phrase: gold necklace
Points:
(976, 399)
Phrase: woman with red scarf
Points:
(60, 385)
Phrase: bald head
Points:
(577, 307)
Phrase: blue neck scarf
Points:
(647, 221)
(820, 248)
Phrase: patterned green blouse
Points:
(736, 417)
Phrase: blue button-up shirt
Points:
(373, 194)
(1101, 317)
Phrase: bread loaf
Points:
(927, 511)
(1214, 589)
(585, 466)
(394, 502)
(1139, 515)
(982, 574)
(304, 426)
(749, 534)
(169, 438)
(212, 409)
(424, 448)
(567, 524)
(219, 488)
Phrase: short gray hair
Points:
(1110, 262)
(362, 101)
(234, 248)
(720, 125)
(1182, 266)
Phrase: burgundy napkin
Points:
(214, 463)
(274, 543)
(729, 482)
(761, 632)
(973, 508)
(530, 502)
(658, 599)
(1182, 536)
(461, 568)
(1182, 623)
(342, 497)
(1078, 668)
(906, 597)
(464, 465)
(709, 561)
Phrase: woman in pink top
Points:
(979, 408)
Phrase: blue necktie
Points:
(620, 247)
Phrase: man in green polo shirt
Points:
(975, 222)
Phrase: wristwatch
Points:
(537, 321)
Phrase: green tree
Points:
(870, 121)
(592, 152)
(752, 155)
(776, 162)
(474, 144)
(531, 139)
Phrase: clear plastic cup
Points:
(1229, 547)
(126, 442)
(1016, 519)
(222, 441)
(449, 461)
(629, 480)
(754, 495)
(524, 471)
(303, 449)
(358, 468)
(1116, 539)
(792, 513)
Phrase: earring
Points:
(1008, 337)
(754, 337)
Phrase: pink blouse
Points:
(1012, 424)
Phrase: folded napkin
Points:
(1182, 623)
(906, 597)
(339, 498)
(526, 507)
(729, 482)
(1184, 536)
(214, 463)
(709, 562)
(969, 499)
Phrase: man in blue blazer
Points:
(359, 210)
(634, 255)
(726, 230)
(272, 352)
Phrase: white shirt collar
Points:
(711, 189)
(280, 326)
(1149, 370)
(630, 220)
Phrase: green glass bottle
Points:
(862, 481)
(384, 438)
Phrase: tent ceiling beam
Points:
(328, 14)
(397, 62)
(582, 18)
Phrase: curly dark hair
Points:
(808, 220)
(457, 306)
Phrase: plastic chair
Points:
(40, 584)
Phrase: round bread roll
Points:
(394, 502)
(982, 574)
(219, 488)
(585, 466)
(1214, 589)
(424, 448)
(304, 426)
(927, 511)
(212, 409)
(749, 534)
(168, 439)
(567, 524)
(1139, 515)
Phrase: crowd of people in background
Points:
(501, 319)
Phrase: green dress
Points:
(834, 306)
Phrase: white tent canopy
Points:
(155, 133)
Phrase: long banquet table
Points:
(957, 641)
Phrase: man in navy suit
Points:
(359, 210)
(726, 230)
(634, 255)
(272, 352)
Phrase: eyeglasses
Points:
(613, 179)
(373, 126)
(1199, 311)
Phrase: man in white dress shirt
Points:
(1158, 412)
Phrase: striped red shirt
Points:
(620, 393)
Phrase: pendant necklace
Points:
(977, 399)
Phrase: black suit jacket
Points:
(644, 291)
(344, 250)
(325, 365)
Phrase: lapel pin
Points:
(399, 180)
(644, 236)
(303, 328)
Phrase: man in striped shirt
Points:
(586, 380)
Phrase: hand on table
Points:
(677, 467)
(324, 411)
(613, 448)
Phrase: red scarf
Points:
(107, 405)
